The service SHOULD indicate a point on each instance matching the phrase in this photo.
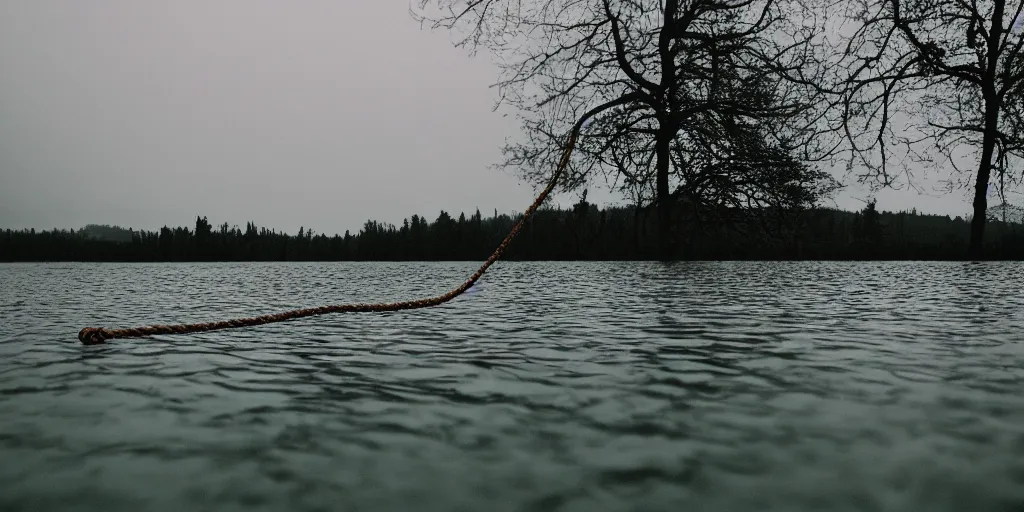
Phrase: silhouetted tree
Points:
(582, 232)
(953, 67)
(699, 77)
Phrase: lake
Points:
(799, 386)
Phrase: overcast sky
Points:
(318, 113)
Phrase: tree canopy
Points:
(720, 95)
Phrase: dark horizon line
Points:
(584, 233)
(521, 260)
(514, 214)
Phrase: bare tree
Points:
(702, 80)
(952, 70)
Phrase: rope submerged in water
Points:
(99, 335)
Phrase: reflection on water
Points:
(553, 386)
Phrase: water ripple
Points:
(552, 386)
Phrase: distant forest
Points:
(584, 232)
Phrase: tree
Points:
(954, 68)
(678, 65)
(203, 233)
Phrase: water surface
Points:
(549, 386)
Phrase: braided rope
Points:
(99, 335)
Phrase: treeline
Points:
(584, 232)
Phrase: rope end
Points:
(92, 336)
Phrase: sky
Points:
(319, 114)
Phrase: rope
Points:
(99, 335)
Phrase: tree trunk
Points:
(662, 162)
(982, 181)
(667, 127)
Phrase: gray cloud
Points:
(318, 113)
